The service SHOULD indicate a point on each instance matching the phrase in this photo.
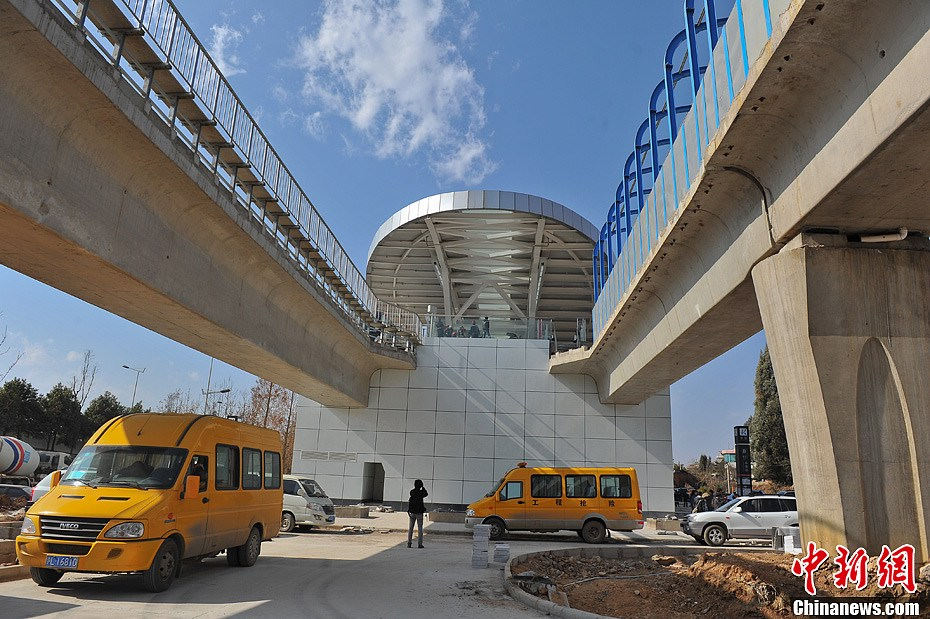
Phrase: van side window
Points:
(251, 469)
(198, 468)
(272, 470)
(580, 486)
(789, 505)
(292, 487)
(226, 474)
(546, 486)
(616, 487)
(512, 490)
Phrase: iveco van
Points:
(583, 499)
(149, 490)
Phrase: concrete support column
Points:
(848, 328)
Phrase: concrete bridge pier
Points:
(848, 327)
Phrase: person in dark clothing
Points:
(487, 327)
(415, 509)
(703, 504)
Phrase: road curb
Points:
(13, 572)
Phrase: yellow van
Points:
(583, 499)
(124, 505)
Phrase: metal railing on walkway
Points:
(705, 65)
(157, 52)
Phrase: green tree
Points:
(703, 462)
(20, 408)
(102, 409)
(62, 418)
(767, 427)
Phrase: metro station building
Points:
(501, 280)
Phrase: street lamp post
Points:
(136, 385)
(207, 394)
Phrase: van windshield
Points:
(495, 487)
(312, 488)
(125, 465)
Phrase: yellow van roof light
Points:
(521, 464)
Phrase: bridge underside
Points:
(98, 200)
(829, 132)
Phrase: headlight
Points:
(469, 513)
(29, 526)
(126, 530)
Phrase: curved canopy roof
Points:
(486, 253)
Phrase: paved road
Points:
(301, 574)
(315, 574)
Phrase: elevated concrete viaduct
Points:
(828, 133)
(100, 200)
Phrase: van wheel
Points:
(287, 522)
(594, 532)
(498, 529)
(699, 540)
(45, 577)
(163, 569)
(249, 551)
(232, 557)
(715, 535)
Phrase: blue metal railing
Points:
(181, 54)
(704, 66)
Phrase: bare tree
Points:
(81, 385)
(179, 401)
(271, 406)
(5, 349)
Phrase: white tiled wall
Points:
(470, 411)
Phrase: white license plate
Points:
(60, 561)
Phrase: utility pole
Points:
(206, 394)
(268, 404)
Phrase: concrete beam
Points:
(98, 199)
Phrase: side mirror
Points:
(54, 480)
(191, 485)
(737, 509)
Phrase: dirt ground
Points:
(731, 584)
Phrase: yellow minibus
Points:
(588, 500)
(150, 490)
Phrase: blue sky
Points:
(377, 106)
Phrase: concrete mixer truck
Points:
(17, 458)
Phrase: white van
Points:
(305, 504)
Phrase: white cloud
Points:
(468, 26)
(258, 17)
(280, 93)
(313, 124)
(384, 67)
(35, 354)
(223, 49)
(288, 117)
(73, 356)
(194, 376)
